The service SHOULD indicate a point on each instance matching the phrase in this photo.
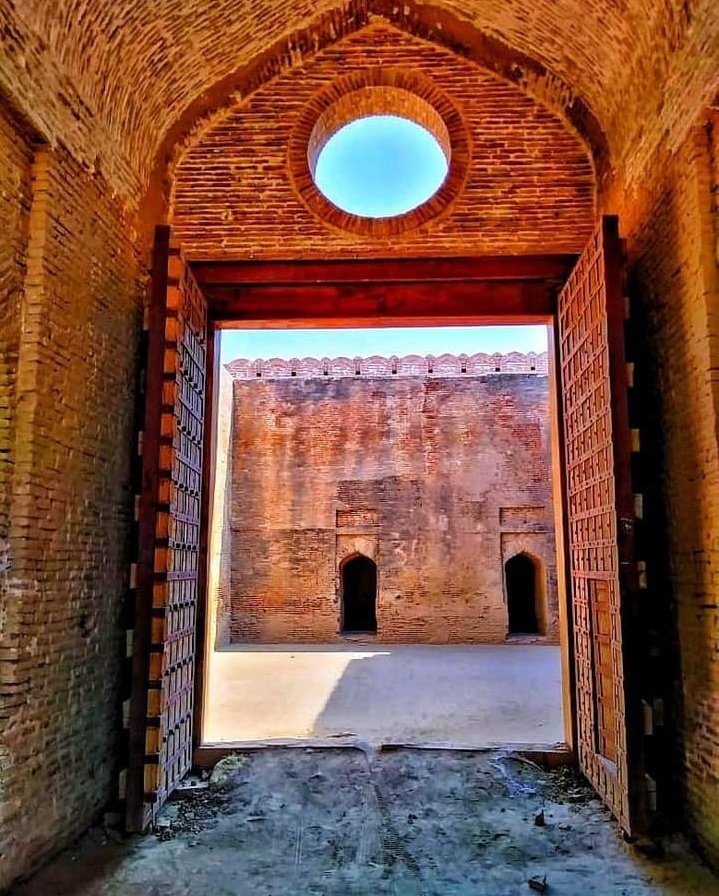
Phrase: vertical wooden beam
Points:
(152, 397)
(202, 642)
(561, 535)
(617, 314)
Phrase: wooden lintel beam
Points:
(400, 270)
(343, 304)
(378, 323)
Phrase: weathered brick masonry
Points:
(673, 239)
(15, 195)
(438, 478)
(120, 97)
(71, 353)
(517, 198)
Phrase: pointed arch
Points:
(523, 581)
(358, 595)
(429, 23)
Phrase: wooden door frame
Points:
(153, 388)
(161, 712)
(461, 291)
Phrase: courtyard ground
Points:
(459, 695)
(280, 822)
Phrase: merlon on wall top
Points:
(445, 365)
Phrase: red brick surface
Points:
(673, 228)
(15, 195)
(114, 79)
(70, 510)
(438, 478)
(517, 197)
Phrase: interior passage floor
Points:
(458, 695)
(362, 823)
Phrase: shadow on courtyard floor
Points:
(461, 695)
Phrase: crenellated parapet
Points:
(446, 365)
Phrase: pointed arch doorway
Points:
(358, 596)
(524, 611)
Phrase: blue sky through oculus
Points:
(380, 166)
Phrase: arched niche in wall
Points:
(358, 595)
(525, 593)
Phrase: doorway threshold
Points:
(546, 755)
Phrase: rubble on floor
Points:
(360, 823)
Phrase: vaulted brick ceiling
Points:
(121, 76)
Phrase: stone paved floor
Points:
(302, 822)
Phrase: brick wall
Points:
(233, 195)
(120, 83)
(438, 478)
(73, 411)
(16, 153)
(671, 225)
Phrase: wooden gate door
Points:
(161, 711)
(600, 516)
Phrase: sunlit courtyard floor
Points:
(454, 695)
